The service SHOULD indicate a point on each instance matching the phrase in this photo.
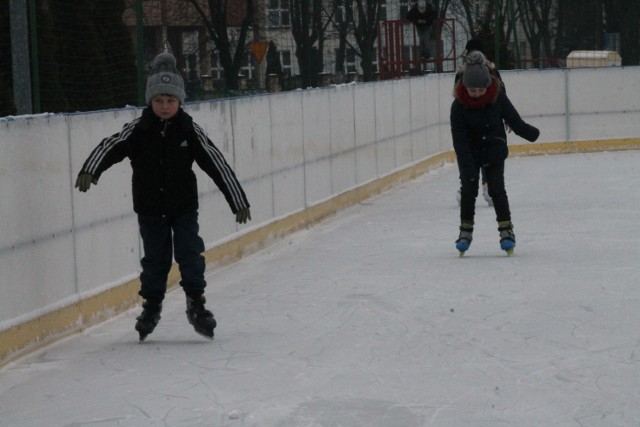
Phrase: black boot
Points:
(148, 319)
(200, 318)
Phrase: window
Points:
(191, 55)
(278, 13)
(249, 67)
(383, 10)
(342, 12)
(285, 60)
(339, 12)
(404, 8)
(217, 72)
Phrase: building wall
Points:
(173, 21)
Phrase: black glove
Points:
(243, 215)
(84, 181)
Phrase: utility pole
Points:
(259, 17)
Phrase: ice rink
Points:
(370, 318)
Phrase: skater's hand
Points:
(243, 215)
(84, 181)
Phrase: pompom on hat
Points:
(165, 78)
(476, 72)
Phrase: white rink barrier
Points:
(71, 259)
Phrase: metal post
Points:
(259, 18)
(515, 34)
(35, 68)
(141, 72)
(20, 56)
(567, 106)
(496, 34)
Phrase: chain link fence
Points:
(85, 55)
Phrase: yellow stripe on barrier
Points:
(575, 147)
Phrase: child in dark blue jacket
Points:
(478, 113)
(162, 145)
(472, 45)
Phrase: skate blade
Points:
(205, 334)
(510, 252)
(462, 253)
(142, 338)
(202, 332)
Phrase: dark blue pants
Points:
(166, 237)
(497, 191)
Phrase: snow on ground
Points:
(371, 319)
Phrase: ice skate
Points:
(465, 237)
(148, 319)
(199, 317)
(507, 237)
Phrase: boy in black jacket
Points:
(478, 113)
(162, 145)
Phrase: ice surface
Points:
(371, 319)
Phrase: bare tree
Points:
(536, 19)
(442, 7)
(366, 17)
(216, 19)
(580, 23)
(475, 14)
(339, 16)
(623, 17)
(583, 23)
(490, 21)
(307, 30)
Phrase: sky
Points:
(370, 318)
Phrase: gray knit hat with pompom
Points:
(475, 73)
(165, 78)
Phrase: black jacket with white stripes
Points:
(162, 154)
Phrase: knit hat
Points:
(165, 78)
(476, 73)
(474, 44)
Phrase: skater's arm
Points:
(461, 142)
(211, 160)
(110, 151)
(515, 122)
